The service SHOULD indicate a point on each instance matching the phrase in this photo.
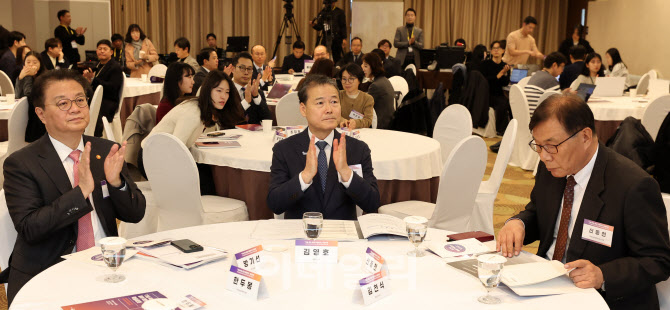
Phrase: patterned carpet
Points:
(513, 196)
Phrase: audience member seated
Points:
(409, 41)
(178, 82)
(322, 180)
(576, 39)
(323, 66)
(21, 53)
(117, 49)
(380, 89)
(182, 47)
(496, 72)
(355, 56)
(108, 74)
(476, 58)
(580, 180)
(140, 52)
(70, 38)
(615, 66)
(52, 56)
(52, 186)
(259, 56)
(574, 69)
(32, 68)
(252, 98)
(208, 61)
(544, 80)
(296, 61)
(8, 59)
(211, 42)
(521, 44)
(592, 69)
(321, 52)
(356, 106)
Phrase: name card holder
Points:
(315, 251)
(246, 283)
(374, 287)
(374, 262)
(249, 259)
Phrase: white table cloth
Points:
(6, 109)
(135, 87)
(415, 283)
(395, 155)
(617, 108)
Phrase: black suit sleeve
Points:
(529, 214)
(111, 82)
(258, 112)
(284, 191)
(364, 191)
(286, 65)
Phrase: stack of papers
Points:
(164, 252)
(375, 224)
(293, 229)
(538, 278)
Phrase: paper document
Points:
(532, 273)
(381, 224)
(555, 286)
(457, 248)
(293, 229)
(172, 255)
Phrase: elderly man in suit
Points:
(260, 68)
(108, 74)
(592, 209)
(319, 169)
(409, 41)
(64, 191)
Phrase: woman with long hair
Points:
(32, 68)
(178, 82)
(593, 68)
(380, 89)
(615, 66)
(140, 52)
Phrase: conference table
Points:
(609, 112)
(407, 167)
(136, 92)
(413, 282)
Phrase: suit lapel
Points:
(52, 165)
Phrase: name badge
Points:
(74, 44)
(190, 302)
(374, 287)
(315, 251)
(356, 115)
(105, 190)
(357, 169)
(410, 49)
(597, 232)
(374, 262)
(249, 259)
(246, 283)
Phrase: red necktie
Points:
(562, 237)
(85, 239)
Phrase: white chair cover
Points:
(411, 67)
(546, 95)
(490, 130)
(482, 215)
(116, 122)
(175, 181)
(459, 183)
(6, 85)
(94, 111)
(288, 111)
(374, 119)
(149, 223)
(522, 83)
(158, 70)
(643, 84)
(522, 156)
(654, 114)
(7, 234)
(453, 125)
(400, 85)
(663, 288)
(16, 127)
(108, 133)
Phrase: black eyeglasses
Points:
(549, 148)
(243, 68)
(349, 80)
(66, 104)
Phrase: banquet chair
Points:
(116, 121)
(522, 155)
(411, 67)
(16, 132)
(654, 114)
(175, 181)
(149, 223)
(7, 234)
(482, 215)
(157, 70)
(374, 119)
(288, 111)
(663, 288)
(459, 182)
(643, 84)
(399, 85)
(6, 85)
(108, 133)
(489, 131)
(453, 125)
(94, 111)
(546, 95)
(523, 82)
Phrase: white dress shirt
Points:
(582, 179)
(329, 139)
(244, 102)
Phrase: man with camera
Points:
(333, 26)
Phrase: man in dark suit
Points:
(574, 69)
(296, 61)
(592, 209)
(334, 21)
(408, 40)
(211, 42)
(355, 56)
(208, 61)
(314, 170)
(70, 38)
(266, 71)
(253, 100)
(64, 191)
(52, 56)
(108, 74)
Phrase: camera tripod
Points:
(288, 28)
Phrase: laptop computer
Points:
(584, 91)
(517, 75)
(279, 90)
(609, 86)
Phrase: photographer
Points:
(333, 26)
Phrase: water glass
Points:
(489, 268)
(312, 223)
(113, 253)
(416, 226)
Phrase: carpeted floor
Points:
(513, 196)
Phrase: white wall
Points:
(373, 20)
(637, 28)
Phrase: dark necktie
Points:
(562, 237)
(242, 93)
(323, 164)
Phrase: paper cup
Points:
(142, 53)
(145, 77)
(633, 92)
(267, 125)
(10, 98)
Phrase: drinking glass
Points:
(113, 253)
(416, 226)
(489, 267)
(312, 223)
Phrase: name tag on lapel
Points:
(358, 169)
(105, 190)
(597, 232)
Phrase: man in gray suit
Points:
(408, 40)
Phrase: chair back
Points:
(116, 122)
(399, 85)
(288, 111)
(374, 119)
(643, 84)
(174, 180)
(411, 67)
(108, 132)
(522, 155)
(94, 111)
(654, 114)
(7, 233)
(158, 70)
(6, 85)
(461, 176)
(16, 127)
(523, 82)
(546, 95)
(453, 125)
(502, 159)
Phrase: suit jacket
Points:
(66, 36)
(198, 78)
(570, 74)
(48, 65)
(382, 91)
(401, 42)
(258, 112)
(348, 58)
(338, 24)
(110, 76)
(286, 196)
(624, 196)
(392, 67)
(297, 64)
(265, 85)
(45, 208)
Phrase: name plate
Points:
(246, 283)
(315, 251)
(374, 262)
(375, 287)
(249, 259)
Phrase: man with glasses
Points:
(253, 100)
(592, 209)
(64, 191)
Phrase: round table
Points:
(413, 282)
(407, 167)
(610, 111)
(5, 112)
(136, 92)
